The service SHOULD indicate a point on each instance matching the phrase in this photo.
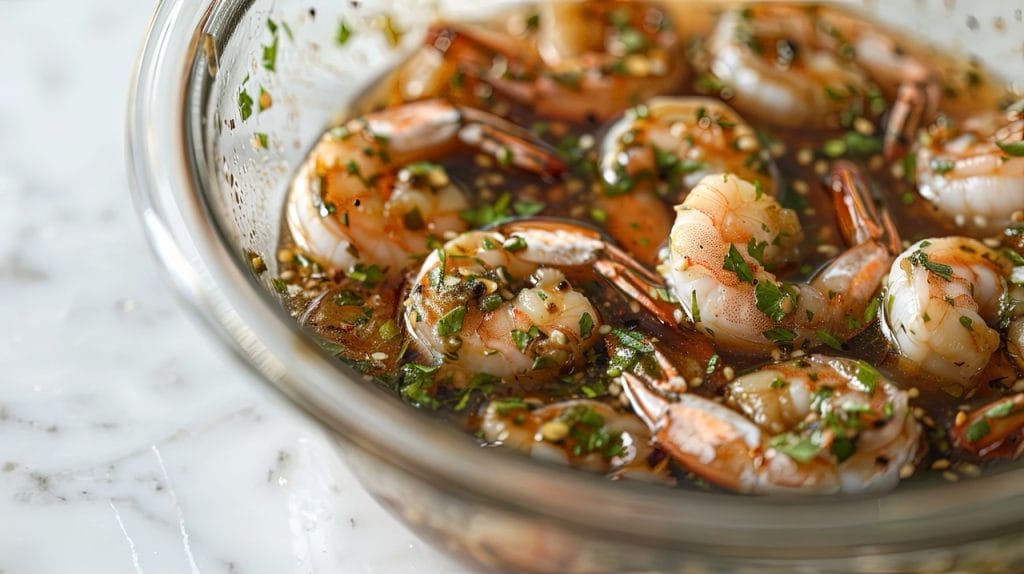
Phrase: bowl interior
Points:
(265, 77)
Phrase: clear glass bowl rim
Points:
(207, 273)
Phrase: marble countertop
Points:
(129, 440)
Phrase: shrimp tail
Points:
(860, 221)
(994, 430)
(916, 103)
(510, 143)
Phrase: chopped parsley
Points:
(586, 325)
(921, 258)
(344, 33)
(772, 300)
(451, 322)
(734, 262)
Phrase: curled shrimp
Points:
(820, 68)
(814, 425)
(974, 174)
(588, 61)
(727, 238)
(500, 303)
(662, 149)
(946, 301)
(779, 68)
(583, 433)
(368, 193)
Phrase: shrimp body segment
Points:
(726, 238)
(815, 425)
(589, 61)
(944, 301)
(582, 433)
(369, 193)
(780, 69)
(975, 175)
(661, 149)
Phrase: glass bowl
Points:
(209, 171)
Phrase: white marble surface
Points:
(129, 441)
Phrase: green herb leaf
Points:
(780, 336)
(967, 322)
(978, 430)
(344, 33)
(734, 262)
(712, 363)
(388, 330)
(527, 208)
(798, 448)
(867, 376)
(515, 243)
(347, 297)
(919, 257)
(772, 301)
(245, 103)
(504, 406)
(491, 302)
(829, 339)
(1015, 149)
(451, 322)
(586, 325)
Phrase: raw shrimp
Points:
(815, 425)
(591, 60)
(974, 174)
(662, 149)
(583, 433)
(498, 303)
(728, 236)
(946, 301)
(368, 194)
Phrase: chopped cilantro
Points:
(798, 448)
(1015, 149)
(867, 376)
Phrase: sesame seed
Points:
(805, 156)
(729, 373)
(554, 431)
(906, 471)
(696, 382)
(913, 393)
(379, 356)
(864, 126)
(961, 418)
(950, 476)
(604, 329)
(285, 255)
(941, 464)
(968, 469)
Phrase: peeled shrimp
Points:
(815, 425)
(945, 301)
(499, 303)
(590, 61)
(780, 70)
(727, 236)
(974, 175)
(662, 148)
(583, 433)
(369, 194)
(797, 66)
